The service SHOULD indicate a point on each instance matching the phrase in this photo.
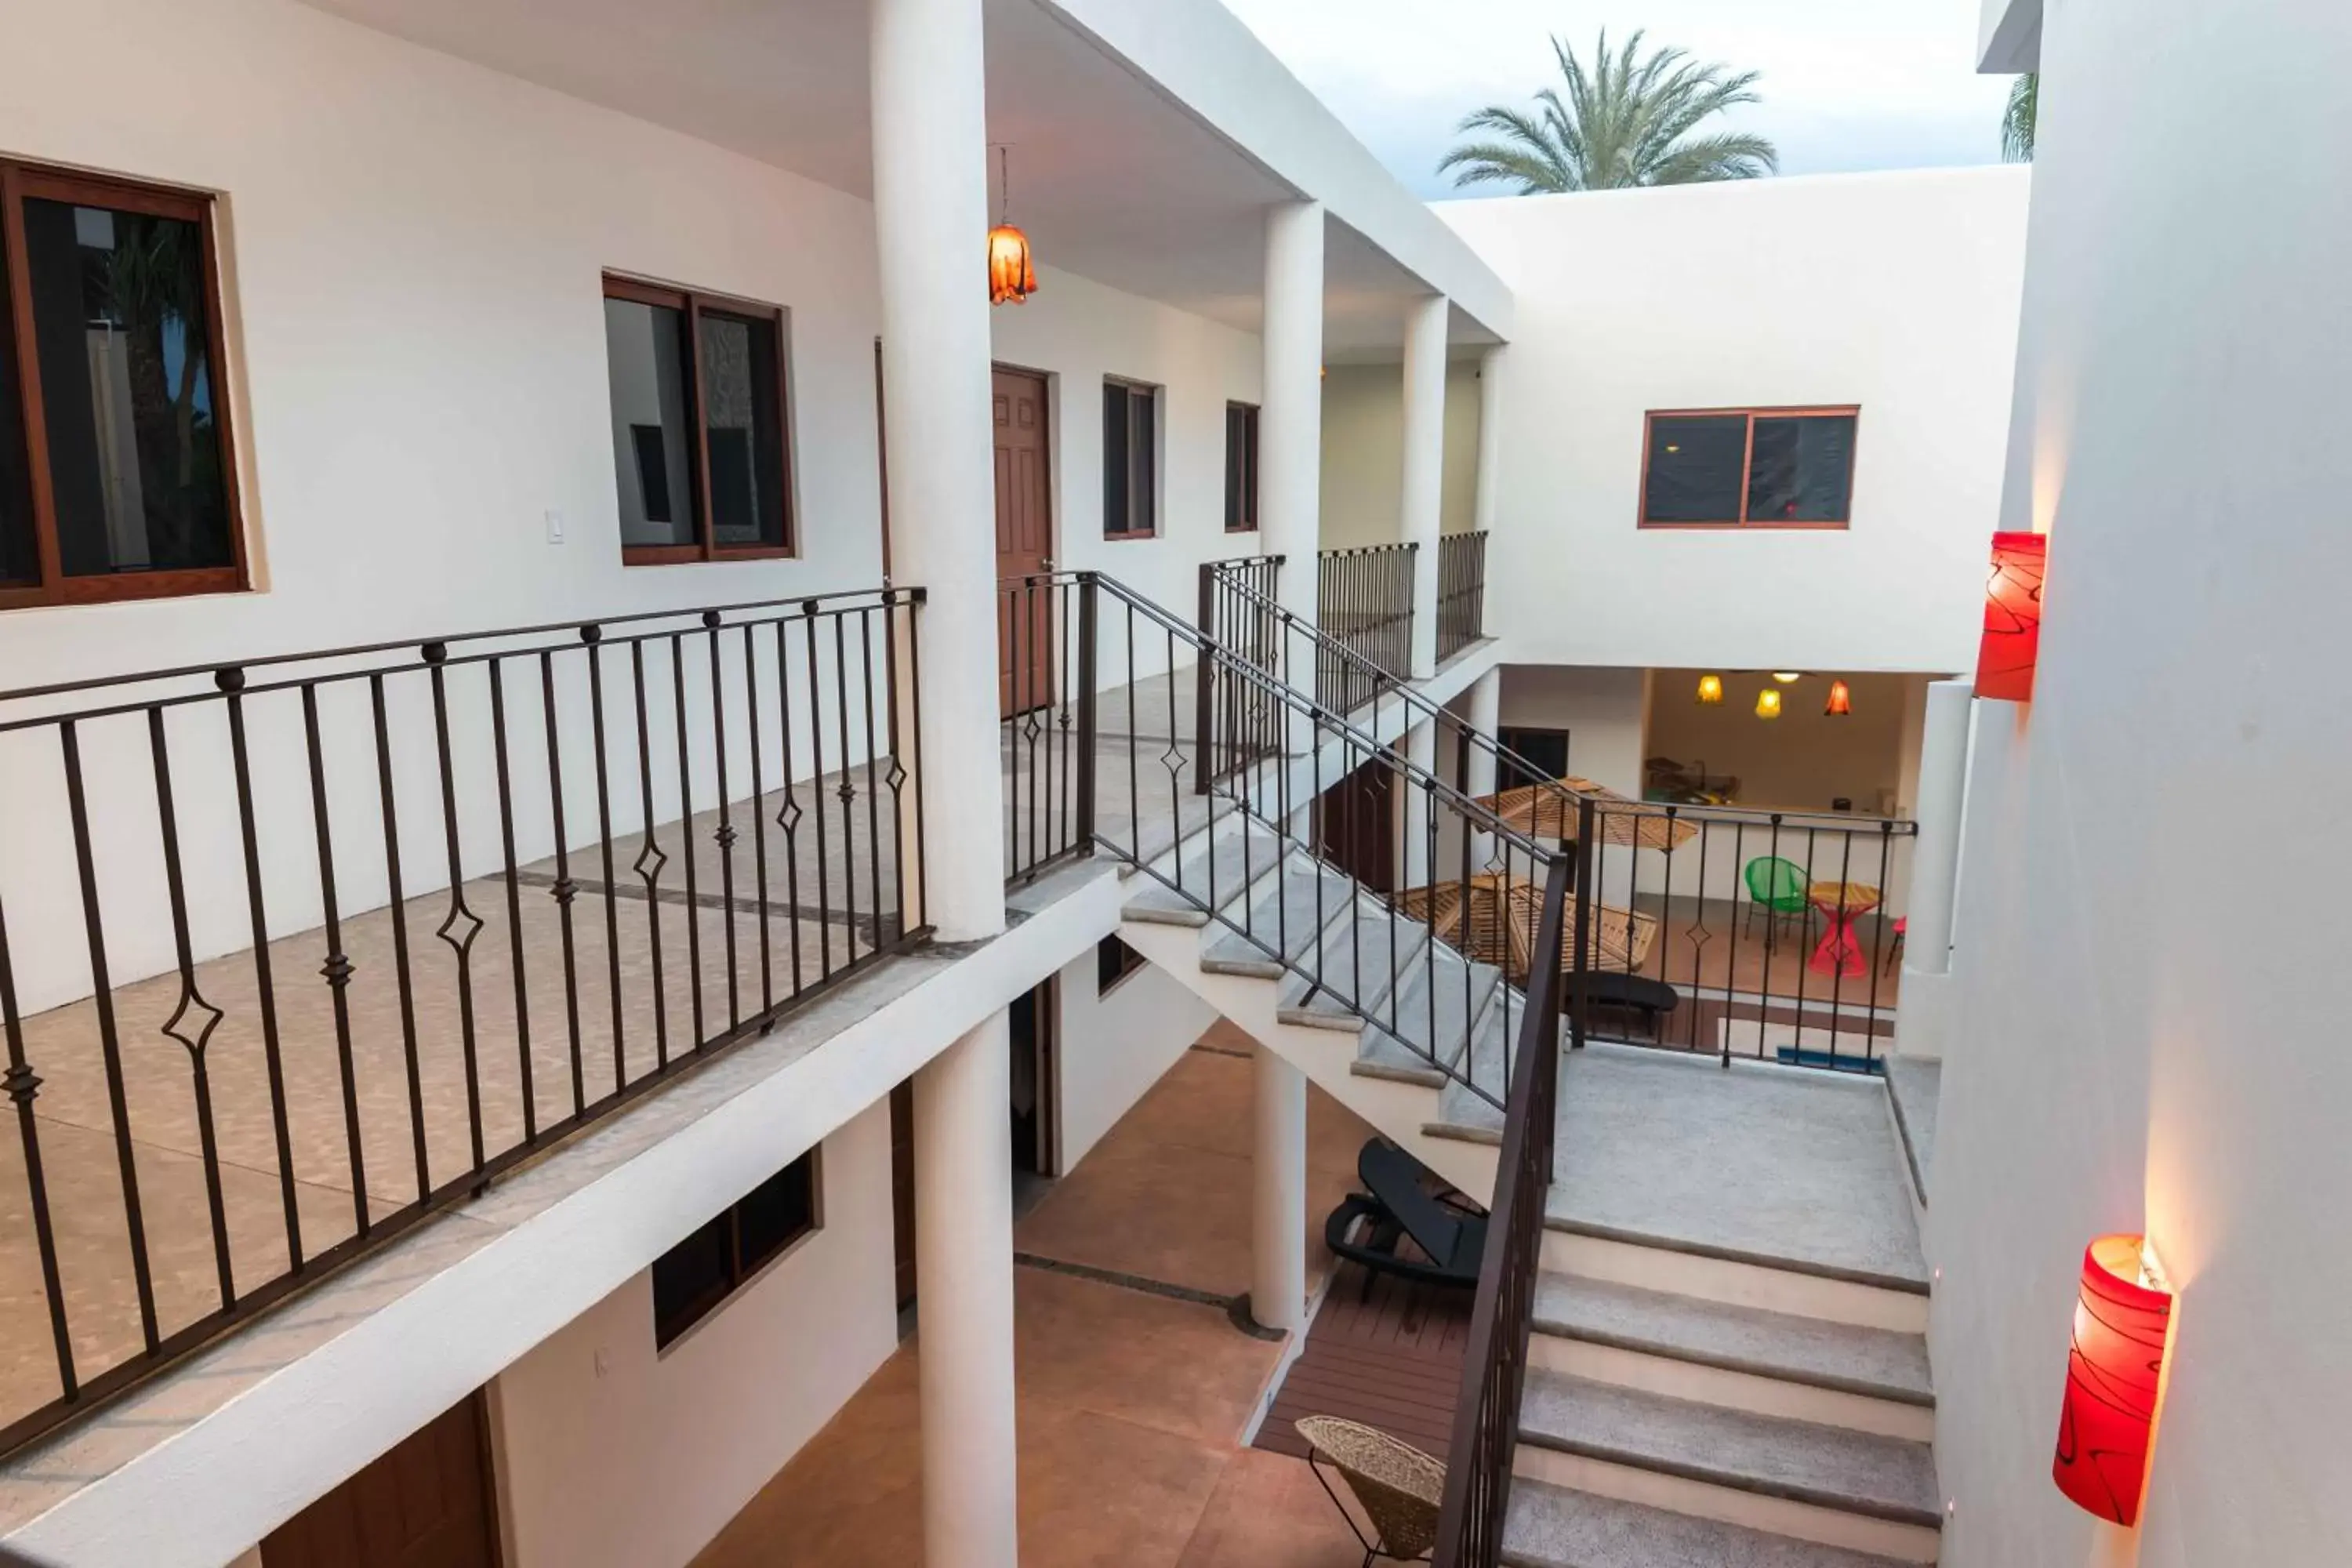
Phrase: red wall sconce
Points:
(2012, 624)
(1841, 702)
(2123, 1322)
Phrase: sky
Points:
(1847, 84)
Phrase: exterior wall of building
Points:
(417, 364)
(1897, 293)
(611, 1454)
(2151, 1028)
(1363, 435)
(1115, 1046)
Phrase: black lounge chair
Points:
(1396, 1204)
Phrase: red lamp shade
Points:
(2012, 624)
(1841, 702)
(2121, 1326)
(1011, 275)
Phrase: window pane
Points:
(1802, 471)
(118, 327)
(1115, 460)
(692, 1277)
(744, 425)
(776, 1213)
(1143, 444)
(20, 562)
(1695, 468)
(653, 421)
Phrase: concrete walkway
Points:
(1133, 1400)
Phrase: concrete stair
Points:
(1554, 1527)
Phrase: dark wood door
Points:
(425, 1504)
(902, 1187)
(1024, 544)
(1355, 828)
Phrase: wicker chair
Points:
(1400, 1487)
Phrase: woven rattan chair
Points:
(1400, 1487)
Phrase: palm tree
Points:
(1629, 122)
(2017, 121)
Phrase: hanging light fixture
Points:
(1710, 691)
(1841, 702)
(2115, 1372)
(1012, 275)
(2013, 620)
(1787, 677)
(1767, 703)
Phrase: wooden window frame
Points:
(19, 181)
(741, 1277)
(1114, 967)
(1748, 465)
(1158, 412)
(692, 303)
(1245, 492)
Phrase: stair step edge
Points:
(1567, 1225)
(1542, 1531)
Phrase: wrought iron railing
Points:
(1364, 604)
(1461, 592)
(1472, 1519)
(295, 952)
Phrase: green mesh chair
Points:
(1776, 889)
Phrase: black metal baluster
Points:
(845, 791)
(915, 703)
(759, 817)
(461, 925)
(685, 842)
(192, 1002)
(565, 889)
(816, 786)
(1089, 709)
(232, 681)
(1878, 934)
(23, 1085)
(593, 635)
(873, 777)
(649, 863)
(337, 969)
(514, 904)
(724, 834)
(399, 907)
(109, 1044)
(787, 816)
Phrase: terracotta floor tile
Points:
(1173, 1366)
(1269, 1513)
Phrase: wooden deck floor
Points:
(1391, 1359)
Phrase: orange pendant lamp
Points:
(1012, 274)
(1841, 702)
(2013, 623)
(1710, 691)
(1767, 703)
(2123, 1324)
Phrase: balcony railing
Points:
(1364, 603)
(1461, 593)
(294, 953)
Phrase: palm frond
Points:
(2017, 121)
(1626, 120)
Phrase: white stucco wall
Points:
(1600, 708)
(2150, 974)
(1363, 453)
(1114, 1047)
(1897, 293)
(613, 1455)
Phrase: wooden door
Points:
(425, 1504)
(902, 1188)
(1355, 828)
(1024, 544)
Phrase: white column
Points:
(1421, 751)
(1490, 437)
(963, 1258)
(1278, 1202)
(1424, 466)
(1935, 858)
(930, 224)
(1290, 416)
(1485, 716)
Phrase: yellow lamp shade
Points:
(1710, 689)
(1767, 703)
(1841, 702)
(1011, 275)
